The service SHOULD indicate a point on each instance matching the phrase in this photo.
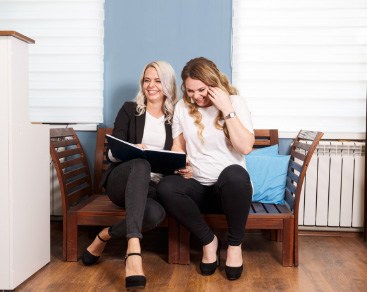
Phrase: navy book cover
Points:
(161, 161)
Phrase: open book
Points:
(161, 161)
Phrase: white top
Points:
(208, 159)
(154, 137)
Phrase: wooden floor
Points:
(326, 264)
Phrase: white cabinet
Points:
(24, 170)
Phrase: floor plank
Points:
(326, 264)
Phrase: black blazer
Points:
(129, 127)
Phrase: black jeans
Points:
(129, 186)
(186, 199)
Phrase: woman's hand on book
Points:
(142, 146)
(185, 172)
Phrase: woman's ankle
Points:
(134, 266)
(133, 263)
(210, 251)
(104, 234)
(97, 246)
(234, 256)
(133, 245)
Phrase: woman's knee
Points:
(140, 167)
(235, 181)
(132, 167)
(154, 214)
(235, 174)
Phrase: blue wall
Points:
(140, 31)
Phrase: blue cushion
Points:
(268, 175)
(269, 151)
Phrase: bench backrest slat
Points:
(71, 167)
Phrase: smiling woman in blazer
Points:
(146, 123)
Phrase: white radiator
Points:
(333, 190)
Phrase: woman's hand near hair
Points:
(220, 99)
(242, 139)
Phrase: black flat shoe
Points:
(89, 259)
(233, 273)
(209, 269)
(135, 282)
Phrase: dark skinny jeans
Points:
(129, 186)
(187, 199)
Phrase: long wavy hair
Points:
(167, 77)
(207, 72)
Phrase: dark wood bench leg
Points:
(178, 243)
(64, 239)
(279, 235)
(72, 238)
(184, 246)
(276, 235)
(288, 242)
(273, 235)
(173, 241)
(296, 245)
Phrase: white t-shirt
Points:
(208, 159)
(154, 137)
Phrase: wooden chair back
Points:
(71, 167)
(302, 149)
(100, 162)
(81, 206)
(265, 137)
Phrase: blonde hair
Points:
(207, 72)
(167, 77)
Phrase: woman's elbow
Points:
(243, 148)
(246, 148)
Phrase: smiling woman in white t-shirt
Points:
(212, 124)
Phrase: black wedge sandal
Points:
(135, 282)
(89, 259)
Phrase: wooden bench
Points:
(81, 203)
(85, 205)
(281, 219)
